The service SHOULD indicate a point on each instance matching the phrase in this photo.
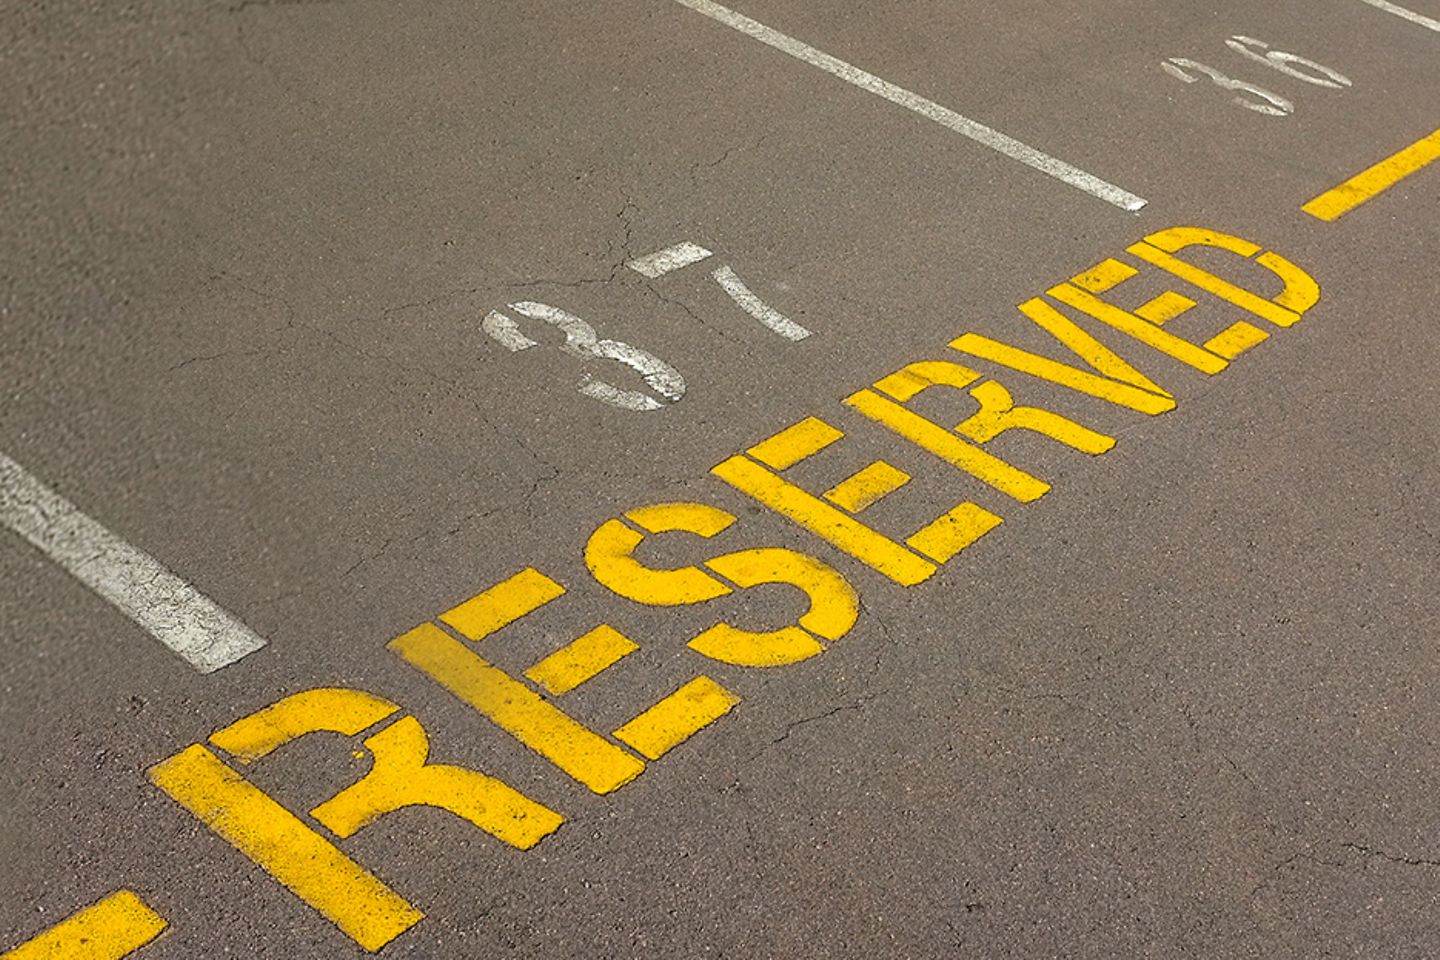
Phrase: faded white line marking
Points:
(171, 610)
(944, 116)
(656, 265)
(758, 308)
(1399, 11)
(506, 332)
(582, 341)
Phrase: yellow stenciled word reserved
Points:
(459, 649)
(109, 930)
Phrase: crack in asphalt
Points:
(1370, 851)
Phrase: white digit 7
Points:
(582, 341)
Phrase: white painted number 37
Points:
(583, 342)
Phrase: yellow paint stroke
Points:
(834, 608)
(817, 516)
(609, 554)
(979, 463)
(572, 665)
(675, 719)
(1162, 309)
(109, 930)
(1236, 339)
(1099, 357)
(1365, 185)
(860, 490)
(504, 603)
(401, 778)
(334, 709)
(1104, 275)
(314, 869)
(947, 536)
(795, 443)
(998, 413)
(834, 604)
(1072, 378)
(520, 711)
(1129, 324)
(1284, 309)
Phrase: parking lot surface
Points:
(662, 478)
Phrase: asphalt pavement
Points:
(426, 355)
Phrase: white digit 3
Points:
(582, 341)
(1274, 105)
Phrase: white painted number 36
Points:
(1249, 95)
(583, 342)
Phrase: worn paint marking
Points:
(530, 718)
(767, 315)
(368, 911)
(1364, 186)
(966, 127)
(656, 265)
(578, 661)
(113, 928)
(673, 720)
(167, 607)
(1405, 12)
(860, 490)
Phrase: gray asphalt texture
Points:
(1184, 706)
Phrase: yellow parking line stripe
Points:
(1331, 204)
(109, 930)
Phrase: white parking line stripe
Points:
(944, 116)
(1399, 11)
(656, 265)
(173, 611)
